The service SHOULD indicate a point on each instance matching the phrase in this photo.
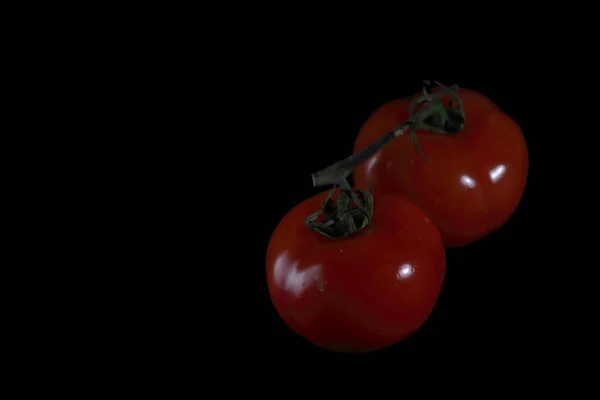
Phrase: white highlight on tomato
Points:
(290, 279)
(404, 271)
(371, 162)
(497, 172)
(467, 181)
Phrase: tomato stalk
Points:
(341, 219)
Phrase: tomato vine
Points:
(341, 219)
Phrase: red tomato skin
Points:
(476, 178)
(361, 293)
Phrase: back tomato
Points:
(363, 292)
(475, 180)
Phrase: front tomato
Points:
(361, 293)
(476, 177)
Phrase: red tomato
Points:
(475, 180)
(363, 292)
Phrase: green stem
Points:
(433, 117)
(341, 219)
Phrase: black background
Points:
(515, 295)
(210, 187)
(494, 300)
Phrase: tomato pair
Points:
(368, 278)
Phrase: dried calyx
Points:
(353, 209)
(349, 213)
(434, 116)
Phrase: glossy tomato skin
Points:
(476, 178)
(360, 293)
